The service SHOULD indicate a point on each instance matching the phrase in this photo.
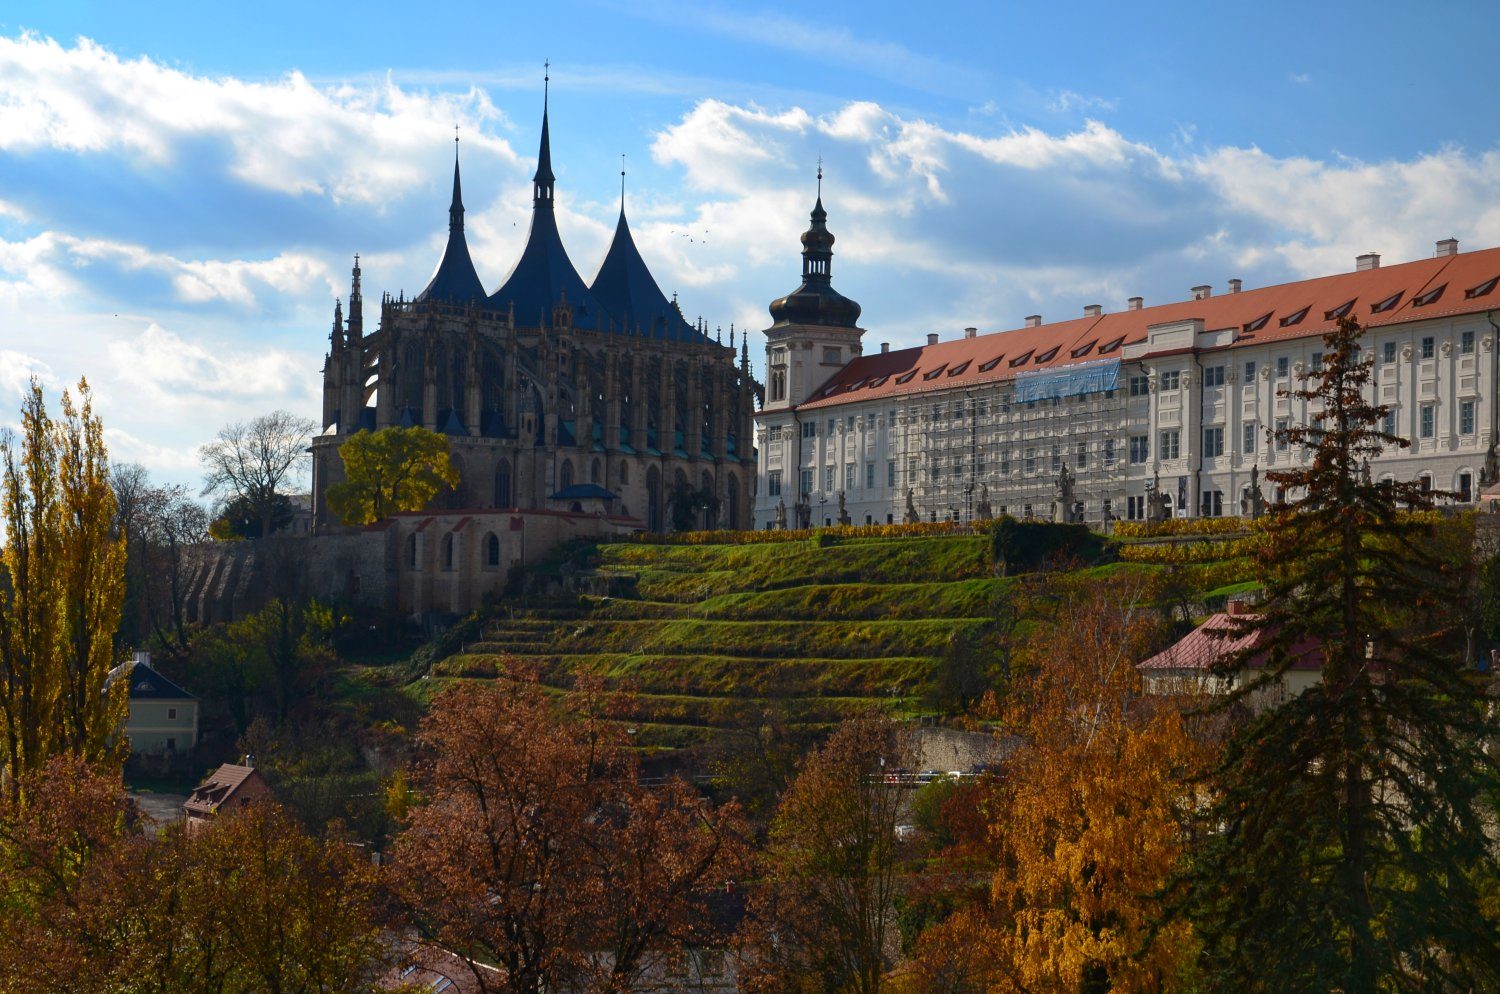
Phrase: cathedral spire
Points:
(542, 182)
(456, 208)
(356, 306)
(337, 335)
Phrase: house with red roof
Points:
(230, 788)
(1139, 412)
(1192, 665)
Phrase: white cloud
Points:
(285, 135)
(17, 369)
(186, 373)
(1066, 101)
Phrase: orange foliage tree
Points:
(536, 848)
(1088, 825)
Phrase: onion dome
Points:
(816, 302)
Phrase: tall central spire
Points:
(541, 183)
(456, 208)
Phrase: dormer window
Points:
(1109, 347)
(879, 381)
(906, 377)
(1340, 311)
(1389, 303)
(1018, 360)
(1049, 355)
(934, 374)
(1083, 350)
(985, 367)
(1483, 289)
(1252, 327)
(1430, 297)
(1292, 319)
(956, 370)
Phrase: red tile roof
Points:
(1216, 639)
(220, 786)
(1465, 283)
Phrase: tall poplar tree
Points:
(1346, 837)
(62, 593)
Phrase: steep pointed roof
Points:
(628, 291)
(815, 301)
(544, 275)
(456, 281)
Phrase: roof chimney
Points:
(1202, 292)
(970, 332)
(1135, 303)
(1235, 285)
(1370, 260)
(1092, 310)
(885, 347)
(932, 338)
(1033, 320)
(1448, 246)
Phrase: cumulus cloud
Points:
(286, 135)
(190, 372)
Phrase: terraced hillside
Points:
(706, 635)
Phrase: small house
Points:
(1190, 665)
(229, 788)
(162, 720)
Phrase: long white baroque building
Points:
(1131, 414)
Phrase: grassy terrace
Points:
(706, 637)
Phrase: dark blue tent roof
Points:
(455, 281)
(628, 291)
(583, 491)
(148, 685)
(544, 276)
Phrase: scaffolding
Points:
(1048, 444)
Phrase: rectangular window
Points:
(773, 483)
(1247, 439)
(1081, 456)
(1428, 345)
(1213, 442)
(849, 423)
(958, 410)
(1030, 465)
(773, 434)
(1249, 372)
(1171, 444)
(1212, 505)
(1388, 352)
(1140, 448)
(828, 479)
(809, 429)
(849, 476)
(869, 476)
(1171, 379)
(1317, 361)
(1466, 343)
(1056, 458)
(1005, 463)
(1109, 452)
(1428, 416)
(1389, 425)
(1281, 442)
(1466, 417)
(1283, 366)
(832, 423)
(890, 473)
(1135, 507)
(806, 481)
(1213, 376)
(1139, 386)
(171, 714)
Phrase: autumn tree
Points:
(389, 471)
(256, 461)
(248, 904)
(60, 608)
(1088, 826)
(824, 919)
(536, 849)
(157, 523)
(1346, 836)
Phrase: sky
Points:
(183, 185)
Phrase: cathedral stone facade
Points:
(558, 395)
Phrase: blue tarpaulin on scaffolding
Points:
(1068, 381)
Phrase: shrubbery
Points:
(1026, 546)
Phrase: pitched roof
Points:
(628, 290)
(544, 277)
(148, 685)
(220, 786)
(455, 281)
(1464, 283)
(1220, 638)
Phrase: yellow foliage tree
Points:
(388, 471)
(1090, 826)
(60, 609)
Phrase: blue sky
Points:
(181, 190)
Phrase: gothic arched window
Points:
(503, 497)
(492, 551)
